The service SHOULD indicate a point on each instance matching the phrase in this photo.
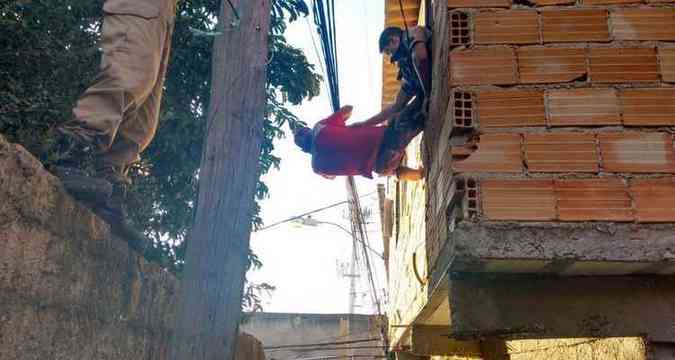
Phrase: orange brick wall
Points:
(571, 103)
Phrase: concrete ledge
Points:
(564, 249)
(529, 307)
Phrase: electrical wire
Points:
(332, 357)
(309, 213)
(324, 18)
(320, 344)
(379, 347)
(319, 58)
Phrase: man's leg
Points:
(132, 50)
(409, 174)
(128, 72)
(137, 130)
(134, 135)
(398, 135)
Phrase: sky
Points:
(305, 263)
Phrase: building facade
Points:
(546, 215)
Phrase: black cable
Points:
(319, 344)
(309, 213)
(324, 19)
(405, 23)
(337, 348)
(234, 10)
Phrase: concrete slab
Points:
(538, 307)
(565, 249)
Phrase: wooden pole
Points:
(216, 259)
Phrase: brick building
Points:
(547, 213)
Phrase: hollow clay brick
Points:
(513, 108)
(654, 199)
(479, 3)
(609, 2)
(643, 24)
(496, 153)
(553, 2)
(561, 152)
(459, 28)
(593, 199)
(583, 107)
(648, 107)
(637, 152)
(667, 60)
(575, 25)
(550, 65)
(619, 65)
(506, 27)
(518, 199)
(493, 65)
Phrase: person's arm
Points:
(339, 117)
(420, 54)
(419, 38)
(401, 100)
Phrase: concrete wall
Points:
(407, 251)
(570, 349)
(279, 330)
(68, 289)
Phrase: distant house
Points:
(294, 336)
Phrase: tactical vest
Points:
(411, 83)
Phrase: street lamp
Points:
(310, 221)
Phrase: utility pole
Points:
(217, 250)
(352, 276)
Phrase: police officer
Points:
(117, 116)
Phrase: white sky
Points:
(301, 261)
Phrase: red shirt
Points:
(342, 150)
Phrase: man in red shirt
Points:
(361, 148)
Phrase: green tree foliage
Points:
(49, 54)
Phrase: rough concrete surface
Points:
(68, 289)
(529, 307)
(578, 349)
(571, 349)
(564, 248)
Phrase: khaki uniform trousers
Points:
(119, 112)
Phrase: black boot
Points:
(114, 211)
(66, 158)
(82, 186)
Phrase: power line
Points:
(319, 59)
(379, 347)
(319, 344)
(324, 19)
(359, 231)
(332, 357)
(309, 213)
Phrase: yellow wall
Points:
(407, 295)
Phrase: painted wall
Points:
(280, 334)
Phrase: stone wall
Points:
(68, 288)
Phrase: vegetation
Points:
(49, 54)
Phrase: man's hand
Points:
(346, 111)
